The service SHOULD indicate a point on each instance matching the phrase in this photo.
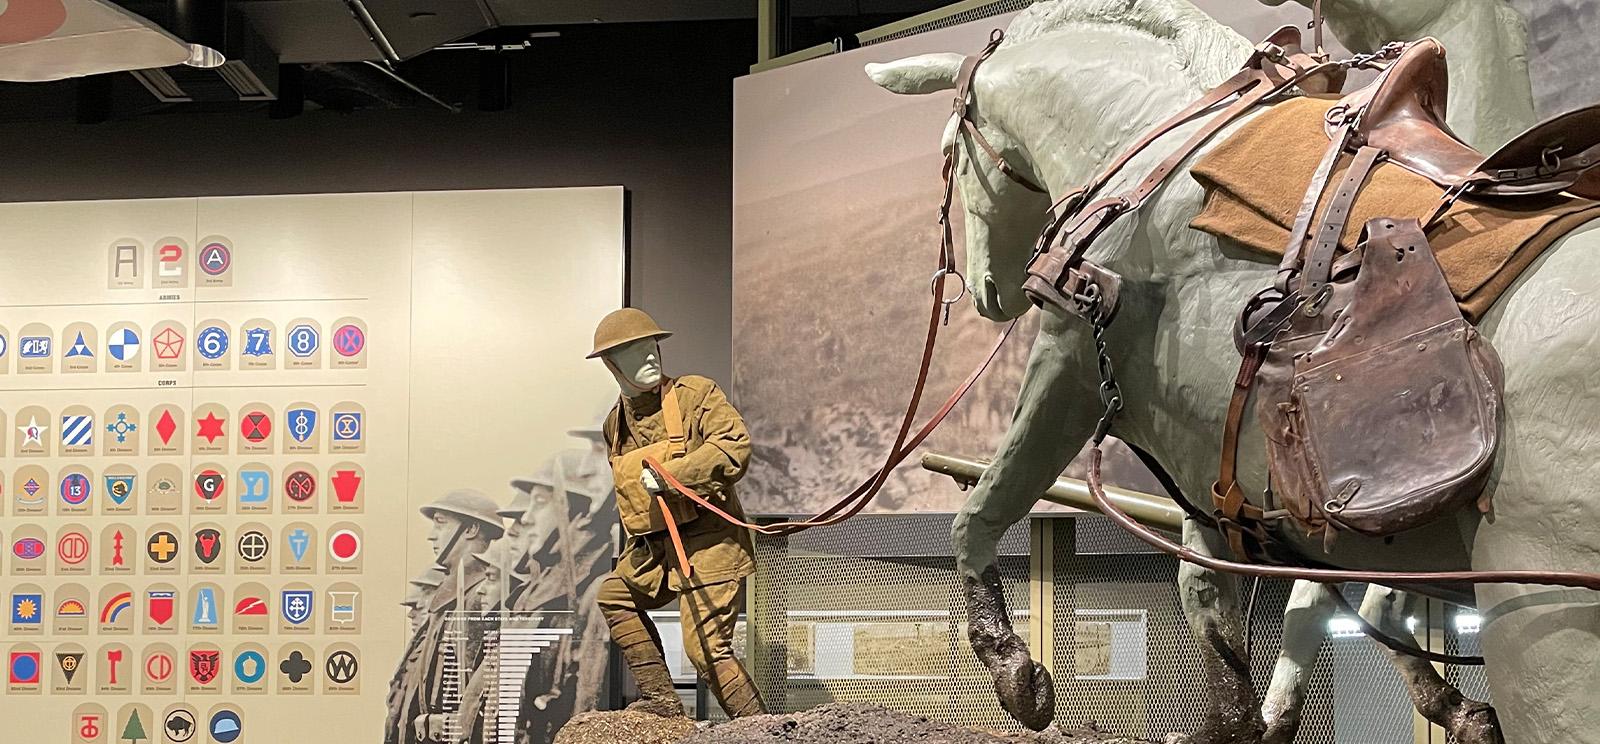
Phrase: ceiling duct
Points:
(249, 74)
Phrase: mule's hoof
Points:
(1027, 693)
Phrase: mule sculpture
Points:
(1073, 86)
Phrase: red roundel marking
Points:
(344, 546)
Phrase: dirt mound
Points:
(860, 723)
(623, 727)
(838, 723)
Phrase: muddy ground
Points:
(838, 723)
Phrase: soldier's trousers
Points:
(708, 615)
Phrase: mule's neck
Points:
(1491, 93)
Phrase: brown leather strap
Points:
(672, 522)
(963, 112)
(1319, 263)
(1322, 575)
(1234, 514)
(1292, 252)
(1243, 80)
(862, 494)
(672, 417)
(1250, 88)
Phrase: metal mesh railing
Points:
(871, 611)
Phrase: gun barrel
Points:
(1156, 512)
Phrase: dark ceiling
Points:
(315, 53)
(312, 31)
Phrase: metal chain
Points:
(1110, 391)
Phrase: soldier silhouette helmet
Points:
(622, 327)
(470, 505)
(419, 588)
(500, 556)
(544, 476)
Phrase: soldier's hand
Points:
(652, 482)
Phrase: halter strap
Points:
(962, 112)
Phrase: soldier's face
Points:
(636, 365)
(441, 531)
(489, 592)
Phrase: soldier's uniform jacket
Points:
(425, 684)
(716, 453)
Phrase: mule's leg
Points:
(1053, 418)
(1305, 622)
(1211, 603)
(1469, 721)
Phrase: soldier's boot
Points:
(734, 689)
(642, 650)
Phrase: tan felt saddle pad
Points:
(1256, 179)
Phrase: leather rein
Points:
(906, 441)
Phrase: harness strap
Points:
(1319, 263)
(1234, 514)
(1321, 575)
(963, 112)
(1309, 203)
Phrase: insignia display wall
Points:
(218, 420)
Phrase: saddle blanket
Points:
(1256, 179)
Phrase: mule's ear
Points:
(924, 73)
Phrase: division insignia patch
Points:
(303, 340)
(123, 345)
(296, 606)
(211, 342)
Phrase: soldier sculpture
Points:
(674, 548)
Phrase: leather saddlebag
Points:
(1386, 415)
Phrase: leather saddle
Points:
(1403, 114)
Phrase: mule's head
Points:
(1003, 218)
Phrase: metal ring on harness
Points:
(933, 285)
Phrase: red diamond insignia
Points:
(166, 427)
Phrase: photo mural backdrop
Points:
(218, 420)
